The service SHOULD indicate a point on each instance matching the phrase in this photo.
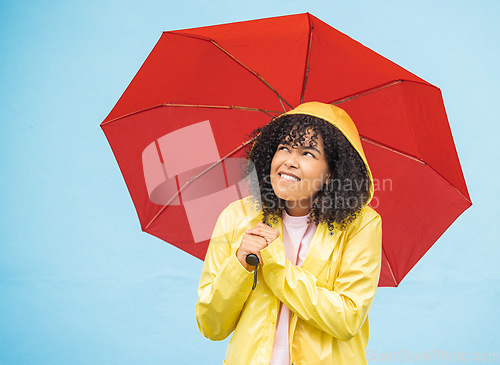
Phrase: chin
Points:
(286, 196)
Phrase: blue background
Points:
(80, 283)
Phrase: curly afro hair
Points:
(340, 199)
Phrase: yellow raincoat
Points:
(329, 295)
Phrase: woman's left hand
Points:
(264, 231)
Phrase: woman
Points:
(319, 251)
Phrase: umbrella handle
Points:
(253, 260)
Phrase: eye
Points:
(282, 148)
(309, 153)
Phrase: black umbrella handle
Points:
(253, 260)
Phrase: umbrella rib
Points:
(366, 92)
(404, 154)
(280, 98)
(267, 112)
(196, 177)
(376, 88)
(407, 155)
(390, 267)
(306, 76)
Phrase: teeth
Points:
(289, 177)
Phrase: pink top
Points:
(297, 237)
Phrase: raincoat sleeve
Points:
(224, 284)
(342, 311)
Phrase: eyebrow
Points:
(305, 147)
(312, 148)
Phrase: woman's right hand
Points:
(250, 243)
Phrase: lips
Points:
(288, 176)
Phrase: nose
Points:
(291, 161)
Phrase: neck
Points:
(296, 209)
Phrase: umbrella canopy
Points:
(201, 91)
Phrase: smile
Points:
(288, 177)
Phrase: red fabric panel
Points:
(131, 135)
(416, 205)
(340, 66)
(276, 48)
(188, 70)
(410, 118)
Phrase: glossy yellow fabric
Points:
(329, 295)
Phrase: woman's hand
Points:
(253, 241)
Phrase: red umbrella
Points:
(202, 91)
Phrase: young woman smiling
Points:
(318, 244)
